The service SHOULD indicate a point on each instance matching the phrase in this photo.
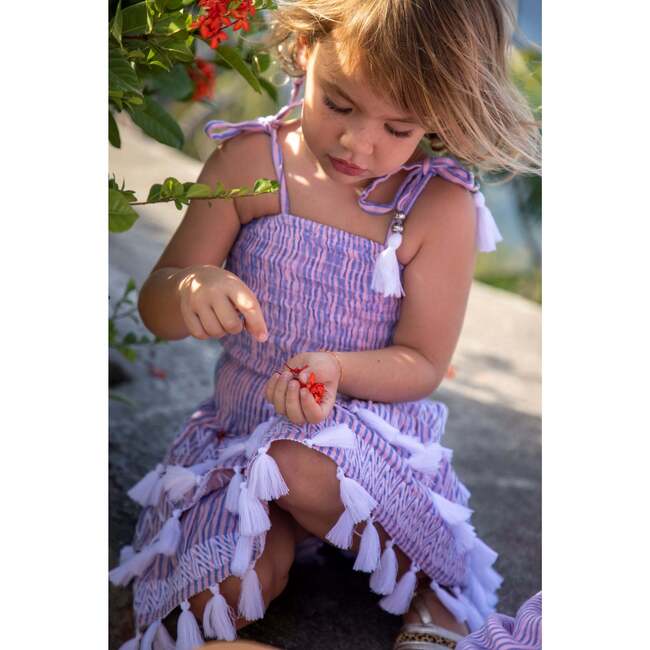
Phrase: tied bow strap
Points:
(386, 276)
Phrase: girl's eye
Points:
(337, 109)
(331, 105)
(398, 134)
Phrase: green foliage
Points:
(156, 122)
(232, 58)
(113, 131)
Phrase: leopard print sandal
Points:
(425, 635)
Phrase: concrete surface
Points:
(494, 429)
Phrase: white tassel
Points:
(256, 439)
(474, 618)
(465, 494)
(126, 553)
(145, 489)
(149, 635)
(489, 578)
(452, 513)
(188, 635)
(251, 603)
(218, 620)
(476, 594)
(232, 451)
(339, 436)
(369, 549)
(428, 459)
(264, 478)
(341, 533)
(455, 606)
(134, 566)
(465, 536)
(169, 536)
(253, 519)
(241, 559)
(487, 231)
(234, 488)
(355, 498)
(163, 640)
(204, 467)
(399, 600)
(178, 481)
(386, 430)
(132, 644)
(385, 278)
(482, 555)
(382, 581)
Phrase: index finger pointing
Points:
(247, 305)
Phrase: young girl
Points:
(338, 308)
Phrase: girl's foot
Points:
(440, 615)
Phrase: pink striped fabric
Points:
(313, 283)
(500, 632)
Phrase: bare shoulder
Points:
(240, 161)
(442, 217)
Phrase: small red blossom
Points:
(451, 373)
(203, 74)
(157, 373)
(221, 14)
(315, 388)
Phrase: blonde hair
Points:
(443, 61)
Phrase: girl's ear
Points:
(303, 50)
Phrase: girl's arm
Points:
(436, 282)
(198, 248)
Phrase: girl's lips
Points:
(346, 168)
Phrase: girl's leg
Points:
(314, 502)
(272, 567)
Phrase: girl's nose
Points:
(357, 141)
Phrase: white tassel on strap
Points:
(455, 606)
(386, 430)
(126, 553)
(382, 581)
(487, 232)
(169, 536)
(251, 603)
(399, 600)
(253, 519)
(474, 618)
(357, 501)
(476, 594)
(134, 566)
(149, 636)
(241, 559)
(465, 536)
(339, 436)
(144, 490)
(163, 640)
(232, 451)
(369, 549)
(489, 578)
(341, 533)
(386, 278)
(482, 555)
(452, 513)
(264, 478)
(218, 620)
(132, 644)
(234, 488)
(179, 480)
(256, 438)
(188, 636)
(427, 460)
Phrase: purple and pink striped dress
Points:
(205, 505)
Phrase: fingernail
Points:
(263, 337)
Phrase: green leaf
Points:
(118, 397)
(171, 23)
(154, 193)
(121, 216)
(121, 76)
(270, 89)
(155, 121)
(262, 61)
(176, 47)
(175, 83)
(264, 185)
(198, 191)
(112, 332)
(233, 58)
(173, 187)
(134, 19)
(116, 24)
(130, 286)
(130, 339)
(128, 353)
(113, 131)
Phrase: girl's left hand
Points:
(298, 404)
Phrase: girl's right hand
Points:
(213, 302)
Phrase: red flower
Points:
(221, 14)
(202, 73)
(315, 388)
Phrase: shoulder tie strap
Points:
(222, 130)
(386, 276)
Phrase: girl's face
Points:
(354, 134)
